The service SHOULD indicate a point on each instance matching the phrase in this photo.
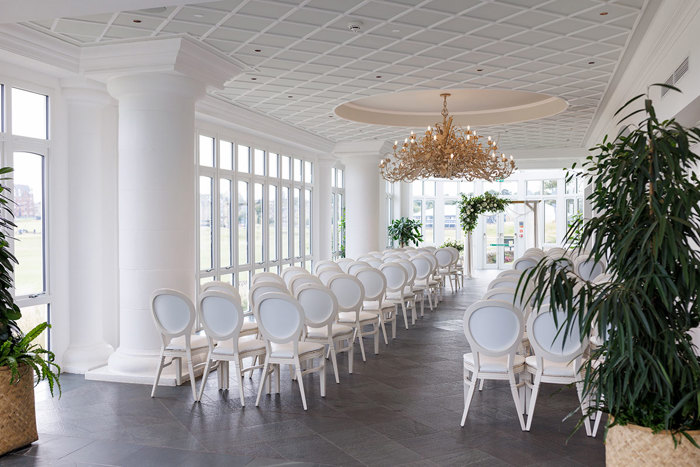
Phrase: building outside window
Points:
(254, 211)
(338, 212)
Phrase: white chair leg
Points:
(334, 359)
(381, 322)
(237, 365)
(516, 400)
(351, 355)
(362, 345)
(469, 387)
(158, 372)
(205, 375)
(393, 326)
(533, 400)
(422, 305)
(405, 316)
(481, 384)
(190, 370)
(598, 416)
(413, 312)
(430, 300)
(323, 377)
(277, 370)
(376, 337)
(586, 420)
(300, 380)
(225, 373)
(261, 385)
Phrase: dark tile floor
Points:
(401, 407)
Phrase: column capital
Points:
(82, 90)
(178, 55)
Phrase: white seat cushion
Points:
(551, 368)
(349, 316)
(287, 350)
(197, 341)
(245, 344)
(493, 364)
(393, 296)
(322, 333)
(374, 306)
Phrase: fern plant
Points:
(647, 197)
(17, 349)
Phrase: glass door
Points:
(499, 240)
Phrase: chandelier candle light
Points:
(446, 151)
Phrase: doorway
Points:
(499, 240)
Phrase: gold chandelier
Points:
(446, 152)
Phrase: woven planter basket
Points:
(17, 416)
(632, 445)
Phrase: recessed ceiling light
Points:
(330, 116)
(290, 97)
(591, 63)
(479, 69)
(603, 13)
(136, 20)
(253, 79)
(198, 16)
(378, 76)
(396, 30)
(258, 50)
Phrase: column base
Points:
(133, 368)
(82, 358)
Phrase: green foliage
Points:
(575, 224)
(471, 206)
(648, 227)
(15, 348)
(341, 226)
(406, 231)
(459, 246)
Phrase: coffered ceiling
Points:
(302, 60)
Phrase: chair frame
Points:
(400, 290)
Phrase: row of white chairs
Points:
(298, 317)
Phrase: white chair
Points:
(525, 263)
(457, 267)
(325, 275)
(344, 263)
(357, 265)
(267, 277)
(261, 288)
(423, 268)
(504, 282)
(396, 278)
(374, 284)
(494, 330)
(445, 260)
(434, 276)
(291, 272)
(587, 268)
(350, 294)
(534, 252)
(510, 273)
(250, 328)
(325, 264)
(321, 313)
(301, 280)
(222, 319)
(173, 314)
(281, 321)
(556, 360)
(412, 292)
(375, 262)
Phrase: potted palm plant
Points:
(20, 358)
(406, 231)
(646, 373)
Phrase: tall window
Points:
(338, 210)
(261, 219)
(24, 145)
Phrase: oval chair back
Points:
(493, 328)
(325, 275)
(423, 268)
(588, 268)
(548, 341)
(301, 280)
(221, 317)
(536, 252)
(507, 295)
(267, 277)
(262, 288)
(349, 292)
(525, 263)
(374, 284)
(410, 271)
(510, 273)
(504, 282)
(357, 265)
(344, 263)
(222, 287)
(280, 319)
(319, 304)
(325, 264)
(396, 277)
(289, 273)
(444, 257)
(173, 314)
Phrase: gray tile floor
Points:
(401, 407)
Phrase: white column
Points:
(406, 199)
(86, 102)
(156, 206)
(324, 215)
